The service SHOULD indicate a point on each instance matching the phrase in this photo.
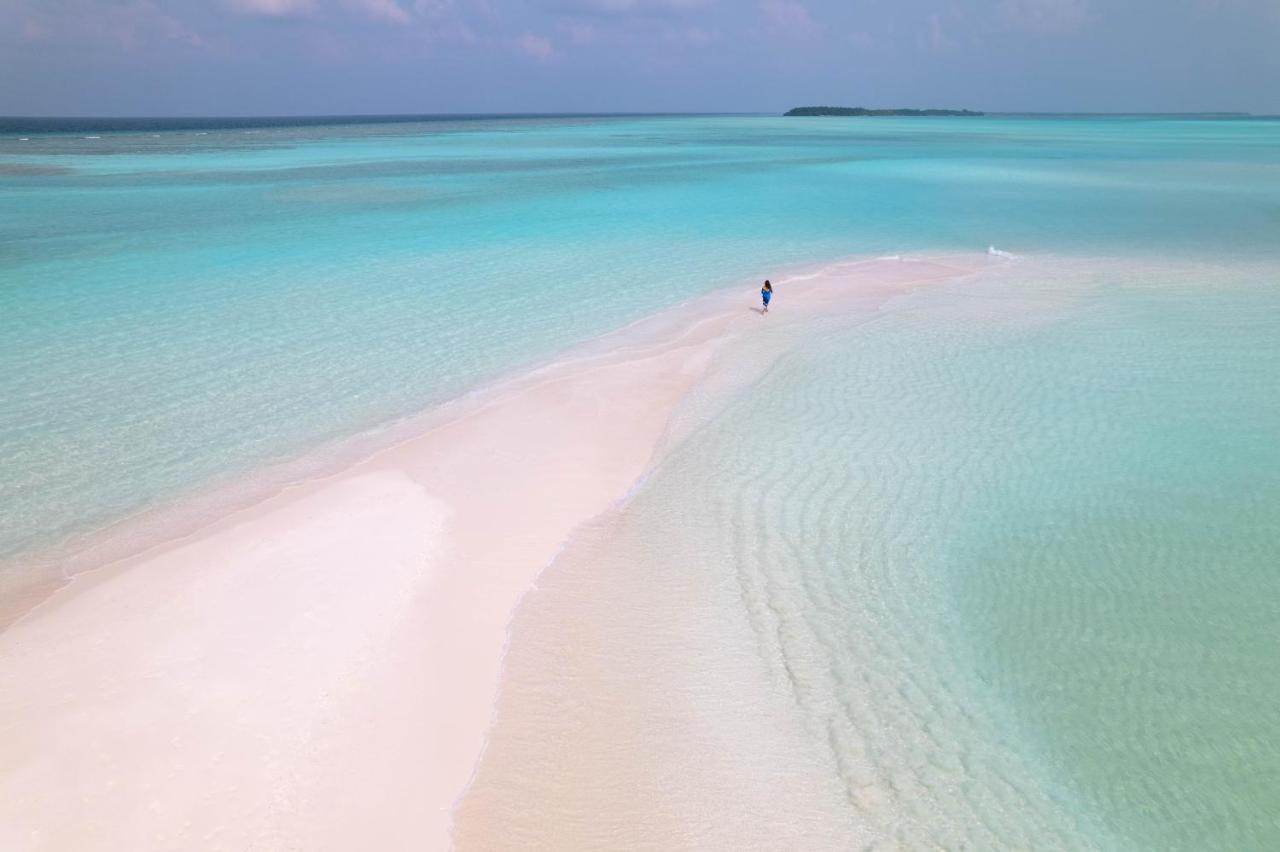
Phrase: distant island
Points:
(862, 111)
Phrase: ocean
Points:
(1004, 556)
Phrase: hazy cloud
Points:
(1045, 17)
(539, 47)
(130, 25)
(380, 10)
(237, 56)
(936, 37)
(788, 17)
(272, 8)
(630, 8)
(389, 11)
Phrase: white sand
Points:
(319, 671)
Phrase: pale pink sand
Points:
(319, 671)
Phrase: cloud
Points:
(789, 17)
(1045, 17)
(389, 11)
(631, 8)
(937, 38)
(581, 33)
(435, 8)
(380, 10)
(689, 37)
(459, 22)
(126, 25)
(861, 39)
(539, 47)
(625, 24)
(272, 8)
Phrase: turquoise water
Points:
(178, 307)
(1064, 514)
(1008, 550)
(1126, 604)
(1017, 535)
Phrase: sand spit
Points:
(319, 671)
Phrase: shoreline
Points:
(305, 641)
(45, 570)
(49, 569)
(29, 578)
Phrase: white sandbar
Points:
(319, 671)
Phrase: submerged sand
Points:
(320, 670)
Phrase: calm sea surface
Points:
(1019, 535)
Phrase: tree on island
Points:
(863, 111)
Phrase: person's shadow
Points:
(759, 311)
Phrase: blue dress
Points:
(766, 295)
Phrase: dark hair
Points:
(768, 286)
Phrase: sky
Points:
(327, 57)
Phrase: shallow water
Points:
(180, 307)
(994, 568)
(1005, 552)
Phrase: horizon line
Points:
(319, 119)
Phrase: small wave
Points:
(93, 137)
(889, 257)
(24, 138)
(995, 252)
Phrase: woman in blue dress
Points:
(766, 293)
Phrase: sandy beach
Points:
(319, 671)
